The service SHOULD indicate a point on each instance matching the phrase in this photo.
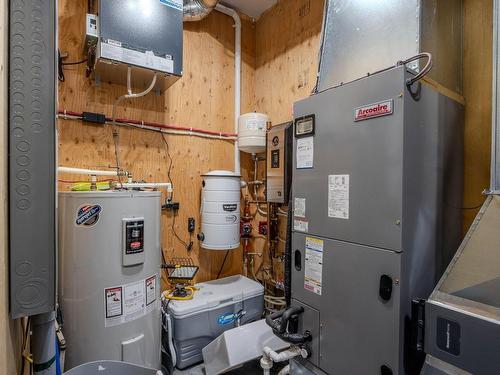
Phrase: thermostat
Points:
(133, 241)
(304, 126)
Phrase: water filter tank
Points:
(220, 211)
(109, 279)
(252, 129)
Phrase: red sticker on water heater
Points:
(366, 112)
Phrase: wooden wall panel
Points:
(202, 98)
(478, 33)
(287, 46)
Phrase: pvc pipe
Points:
(44, 344)
(90, 172)
(285, 370)
(237, 78)
(151, 185)
(171, 339)
(286, 355)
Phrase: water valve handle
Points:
(278, 321)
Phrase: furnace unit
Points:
(377, 195)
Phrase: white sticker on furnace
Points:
(305, 153)
(338, 196)
(299, 207)
(313, 274)
(300, 226)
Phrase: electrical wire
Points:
(188, 246)
(222, 265)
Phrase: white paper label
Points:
(128, 302)
(114, 51)
(305, 152)
(338, 196)
(300, 225)
(300, 207)
(313, 274)
(150, 290)
(255, 125)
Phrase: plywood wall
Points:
(286, 48)
(202, 98)
(478, 41)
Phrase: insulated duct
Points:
(196, 10)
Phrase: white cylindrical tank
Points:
(220, 211)
(252, 129)
(109, 276)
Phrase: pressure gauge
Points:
(304, 126)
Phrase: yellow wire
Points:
(169, 294)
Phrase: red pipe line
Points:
(156, 125)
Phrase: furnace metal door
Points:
(359, 330)
(368, 151)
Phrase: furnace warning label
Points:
(338, 196)
(299, 207)
(313, 275)
(128, 302)
(300, 225)
(305, 153)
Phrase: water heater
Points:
(109, 279)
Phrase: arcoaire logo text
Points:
(373, 110)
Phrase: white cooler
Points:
(214, 309)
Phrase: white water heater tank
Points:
(220, 211)
(252, 129)
(109, 276)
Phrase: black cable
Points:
(222, 265)
(171, 161)
(75, 62)
(472, 208)
(189, 245)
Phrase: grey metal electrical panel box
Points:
(377, 197)
(279, 163)
(32, 157)
(146, 35)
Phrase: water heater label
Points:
(88, 215)
(129, 302)
(150, 290)
(366, 112)
(338, 196)
(313, 274)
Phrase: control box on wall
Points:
(279, 162)
(146, 35)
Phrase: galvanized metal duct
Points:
(196, 10)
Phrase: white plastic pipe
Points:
(151, 185)
(286, 355)
(285, 370)
(237, 78)
(90, 172)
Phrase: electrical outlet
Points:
(191, 224)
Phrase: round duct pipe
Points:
(196, 10)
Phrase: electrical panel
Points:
(279, 162)
(32, 156)
(133, 241)
(144, 34)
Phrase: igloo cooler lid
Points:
(217, 293)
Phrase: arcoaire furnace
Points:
(376, 192)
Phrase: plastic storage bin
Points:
(215, 308)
